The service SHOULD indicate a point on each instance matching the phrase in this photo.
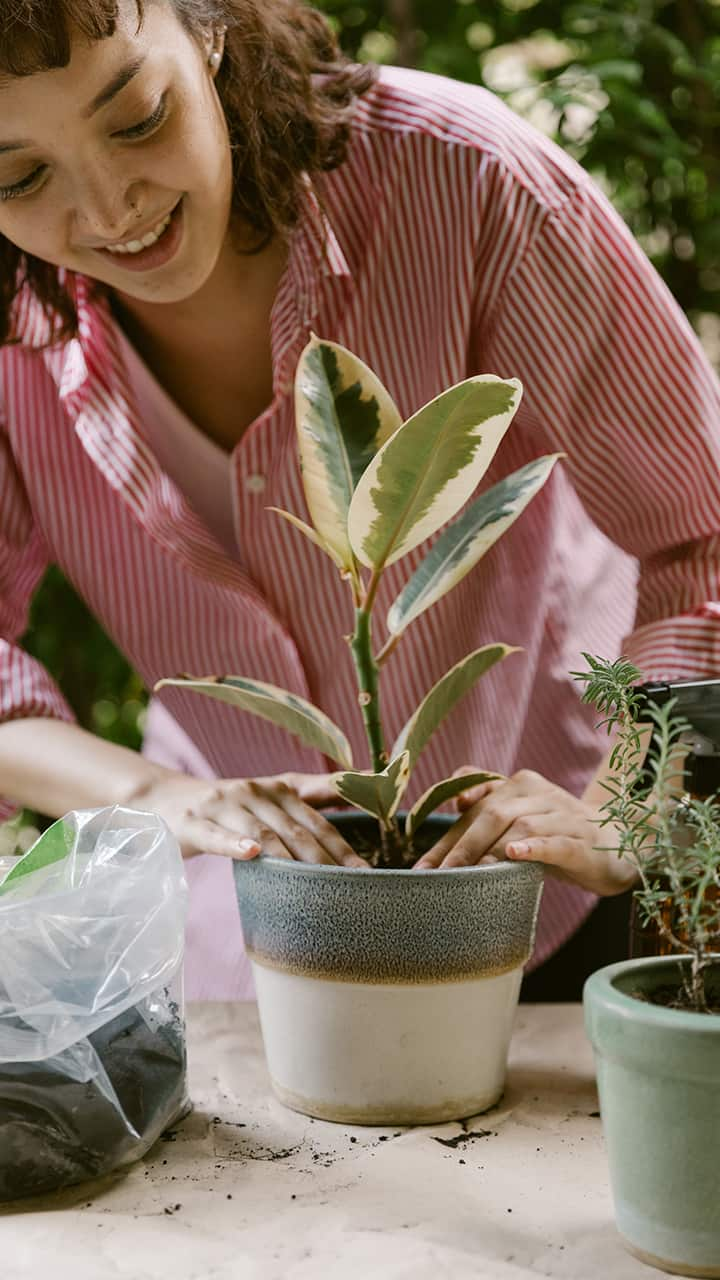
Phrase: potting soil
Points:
(56, 1131)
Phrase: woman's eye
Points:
(141, 130)
(148, 125)
(23, 188)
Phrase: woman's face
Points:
(95, 157)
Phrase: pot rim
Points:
(294, 867)
(600, 992)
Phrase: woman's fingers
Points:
(198, 835)
(326, 835)
(306, 834)
(468, 798)
(533, 819)
(575, 850)
(316, 789)
(436, 856)
(478, 831)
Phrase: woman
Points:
(187, 189)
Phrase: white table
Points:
(246, 1190)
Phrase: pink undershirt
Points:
(202, 470)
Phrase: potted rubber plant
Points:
(655, 1022)
(387, 995)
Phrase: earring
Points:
(214, 60)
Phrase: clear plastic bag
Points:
(92, 1043)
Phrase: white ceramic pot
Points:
(387, 997)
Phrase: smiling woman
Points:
(145, 88)
(189, 189)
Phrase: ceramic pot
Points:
(658, 1075)
(387, 997)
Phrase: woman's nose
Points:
(106, 211)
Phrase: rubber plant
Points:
(376, 488)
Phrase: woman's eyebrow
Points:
(111, 90)
(116, 85)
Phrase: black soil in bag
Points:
(56, 1131)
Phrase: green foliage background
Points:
(630, 87)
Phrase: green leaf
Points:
(376, 793)
(280, 707)
(343, 415)
(466, 541)
(53, 845)
(440, 701)
(439, 794)
(618, 69)
(429, 468)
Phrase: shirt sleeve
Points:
(26, 689)
(615, 377)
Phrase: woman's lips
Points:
(158, 254)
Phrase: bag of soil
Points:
(92, 1044)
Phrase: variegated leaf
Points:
(440, 794)
(426, 472)
(343, 415)
(309, 533)
(376, 793)
(448, 691)
(280, 707)
(466, 540)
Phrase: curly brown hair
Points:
(294, 122)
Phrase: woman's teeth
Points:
(137, 246)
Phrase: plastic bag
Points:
(92, 1043)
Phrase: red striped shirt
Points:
(459, 240)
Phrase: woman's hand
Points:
(242, 817)
(528, 819)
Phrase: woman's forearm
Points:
(52, 767)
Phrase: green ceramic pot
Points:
(658, 1075)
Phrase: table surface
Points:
(246, 1190)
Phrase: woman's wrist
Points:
(52, 766)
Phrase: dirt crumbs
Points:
(57, 1130)
(462, 1138)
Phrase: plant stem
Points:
(368, 685)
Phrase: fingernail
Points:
(248, 848)
(518, 850)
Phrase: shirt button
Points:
(255, 484)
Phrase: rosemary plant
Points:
(672, 838)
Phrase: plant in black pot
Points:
(387, 995)
(655, 1023)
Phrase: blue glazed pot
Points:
(659, 1082)
(387, 997)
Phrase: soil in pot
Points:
(363, 834)
(56, 1131)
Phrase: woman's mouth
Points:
(156, 248)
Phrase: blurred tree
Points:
(105, 694)
(630, 87)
